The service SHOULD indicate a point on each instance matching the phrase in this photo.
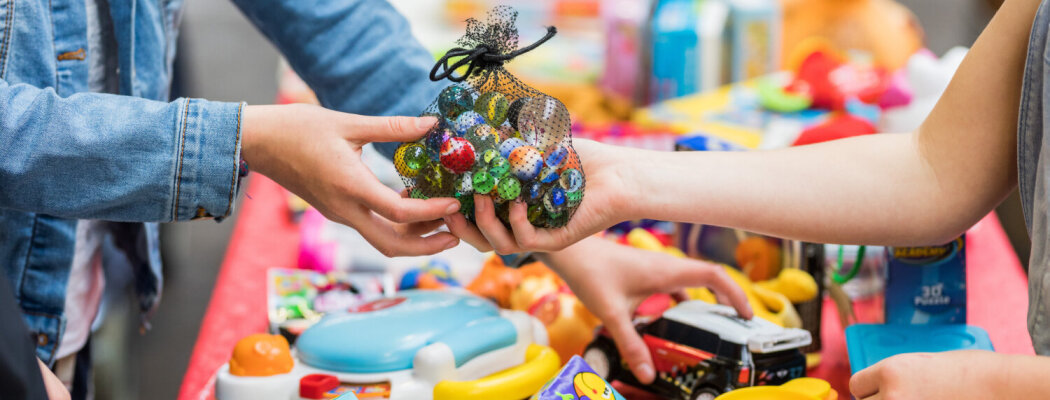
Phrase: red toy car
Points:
(701, 350)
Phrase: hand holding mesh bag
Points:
(495, 135)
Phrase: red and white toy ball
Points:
(457, 154)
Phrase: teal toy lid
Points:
(384, 335)
(868, 344)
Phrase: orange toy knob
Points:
(261, 355)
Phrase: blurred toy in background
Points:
(754, 37)
(537, 290)
(577, 381)
(435, 274)
(628, 135)
(829, 78)
(687, 42)
(795, 389)
(701, 350)
(625, 23)
(703, 142)
(758, 257)
(496, 280)
(299, 298)
(886, 30)
(570, 326)
(838, 126)
(296, 206)
(927, 77)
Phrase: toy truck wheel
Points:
(602, 356)
(705, 393)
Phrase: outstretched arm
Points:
(922, 187)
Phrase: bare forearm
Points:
(1022, 377)
(874, 190)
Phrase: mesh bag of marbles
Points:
(495, 136)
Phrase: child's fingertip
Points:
(451, 243)
(424, 123)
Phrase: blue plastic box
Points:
(926, 285)
(868, 344)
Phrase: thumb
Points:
(389, 129)
(632, 348)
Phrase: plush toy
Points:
(886, 30)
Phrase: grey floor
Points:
(223, 58)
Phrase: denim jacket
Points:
(1033, 166)
(137, 157)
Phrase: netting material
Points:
(495, 135)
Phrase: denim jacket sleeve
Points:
(359, 56)
(118, 158)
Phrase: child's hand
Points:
(604, 204)
(316, 153)
(954, 375)
(613, 279)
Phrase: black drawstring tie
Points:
(479, 57)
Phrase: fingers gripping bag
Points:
(495, 135)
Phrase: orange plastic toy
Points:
(758, 257)
(261, 355)
(537, 290)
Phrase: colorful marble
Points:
(557, 220)
(509, 188)
(483, 182)
(499, 167)
(506, 132)
(514, 110)
(509, 145)
(415, 193)
(554, 200)
(533, 192)
(544, 122)
(493, 106)
(435, 181)
(525, 162)
(556, 156)
(571, 180)
(457, 154)
(483, 137)
(549, 175)
(466, 204)
(466, 184)
(455, 100)
(410, 158)
(573, 199)
(489, 155)
(435, 139)
(467, 120)
(535, 214)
